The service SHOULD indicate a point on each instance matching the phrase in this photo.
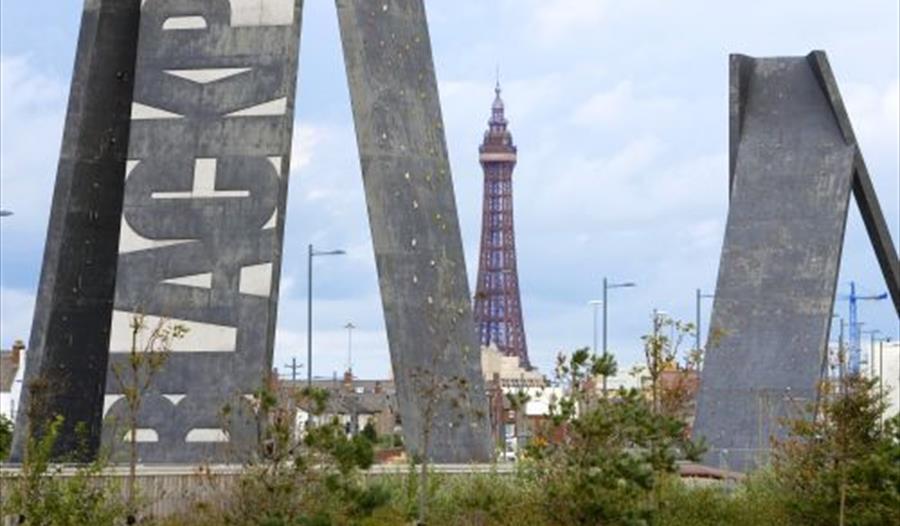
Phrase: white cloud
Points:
(558, 18)
(32, 106)
(23, 88)
(621, 105)
(875, 114)
(640, 182)
(892, 102)
(620, 113)
(306, 139)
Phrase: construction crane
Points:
(854, 326)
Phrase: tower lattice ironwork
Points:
(498, 308)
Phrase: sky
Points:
(619, 110)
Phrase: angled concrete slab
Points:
(203, 218)
(171, 207)
(67, 355)
(415, 229)
(794, 160)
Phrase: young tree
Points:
(39, 494)
(842, 467)
(604, 366)
(134, 377)
(308, 478)
(518, 402)
(440, 394)
(600, 460)
(661, 351)
(434, 390)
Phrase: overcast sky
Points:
(619, 110)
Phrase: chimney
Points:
(348, 380)
(17, 349)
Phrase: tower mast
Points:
(498, 307)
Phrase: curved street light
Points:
(309, 286)
(606, 287)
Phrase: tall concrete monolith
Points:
(794, 162)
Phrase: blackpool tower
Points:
(498, 309)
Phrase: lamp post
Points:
(596, 306)
(350, 328)
(5, 213)
(871, 358)
(606, 287)
(700, 296)
(309, 287)
(881, 373)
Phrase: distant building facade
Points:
(12, 370)
(884, 363)
(354, 403)
(520, 400)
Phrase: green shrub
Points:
(314, 479)
(6, 435)
(601, 459)
(41, 495)
(843, 466)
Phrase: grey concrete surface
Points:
(203, 219)
(67, 354)
(415, 229)
(793, 161)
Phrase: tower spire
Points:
(497, 122)
(498, 309)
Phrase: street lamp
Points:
(309, 285)
(596, 306)
(350, 328)
(881, 373)
(700, 296)
(606, 286)
(871, 357)
(5, 213)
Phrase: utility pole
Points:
(294, 367)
